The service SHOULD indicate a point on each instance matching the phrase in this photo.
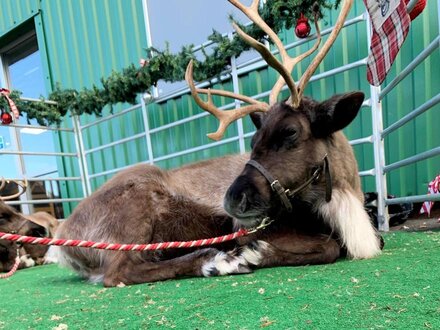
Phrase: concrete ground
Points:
(420, 222)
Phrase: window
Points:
(22, 70)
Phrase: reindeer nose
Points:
(237, 205)
(242, 206)
(242, 198)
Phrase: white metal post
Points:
(153, 89)
(147, 131)
(21, 169)
(147, 27)
(438, 16)
(379, 159)
(236, 89)
(82, 160)
(378, 150)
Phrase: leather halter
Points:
(16, 231)
(19, 227)
(286, 194)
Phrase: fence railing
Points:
(26, 199)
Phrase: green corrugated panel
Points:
(188, 135)
(15, 12)
(86, 40)
(421, 134)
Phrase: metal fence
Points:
(240, 136)
(26, 199)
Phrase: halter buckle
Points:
(272, 185)
(277, 187)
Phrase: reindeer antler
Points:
(22, 184)
(326, 47)
(225, 117)
(288, 63)
(2, 183)
(284, 67)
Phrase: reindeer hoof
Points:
(225, 264)
(26, 261)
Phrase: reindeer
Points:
(298, 145)
(32, 255)
(12, 221)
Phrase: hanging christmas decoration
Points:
(417, 10)
(390, 24)
(5, 93)
(143, 62)
(302, 28)
(6, 118)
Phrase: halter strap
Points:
(274, 184)
(286, 194)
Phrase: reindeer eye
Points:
(290, 133)
(4, 218)
(288, 137)
(3, 221)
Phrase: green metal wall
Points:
(82, 41)
(85, 40)
(14, 12)
(421, 134)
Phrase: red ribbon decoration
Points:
(143, 62)
(5, 92)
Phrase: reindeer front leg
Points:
(299, 250)
(280, 249)
(128, 269)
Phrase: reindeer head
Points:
(12, 221)
(290, 157)
(293, 142)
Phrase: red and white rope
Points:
(123, 247)
(13, 269)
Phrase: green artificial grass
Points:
(398, 290)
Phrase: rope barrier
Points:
(123, 247)
(13, 269)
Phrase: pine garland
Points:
(162, 65)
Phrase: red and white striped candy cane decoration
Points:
(5, 92)
(123, 247)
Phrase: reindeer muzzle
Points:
(286, 195)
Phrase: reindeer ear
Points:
(257, 118)
(36, 230)
(336, 113)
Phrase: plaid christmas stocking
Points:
(390, 28)
(418, 8)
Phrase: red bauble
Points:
(6, 118)
(302, 29)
